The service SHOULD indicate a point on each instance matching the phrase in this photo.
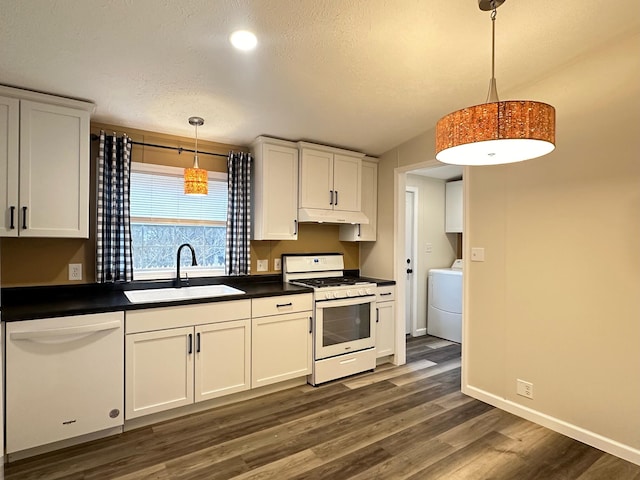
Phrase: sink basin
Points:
(177, 294)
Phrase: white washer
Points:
(444, 313)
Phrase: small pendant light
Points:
(196, 180)
(496, 132)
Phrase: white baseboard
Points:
(578, 433)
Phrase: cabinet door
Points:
(453, 207)
(223, 359)
(316, 179)
(347, 180)
(385, 329)
(280, 348)
(158, 371)
(369, 190)
(276, 193)
(9, 135)
(54, 171)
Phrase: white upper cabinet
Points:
(369, 189)
(453, 207)
(330, 185)
(44, 160)
(275, 206)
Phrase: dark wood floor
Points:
(408, 422)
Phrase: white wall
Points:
(556, 301)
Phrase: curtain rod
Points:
(167, 147)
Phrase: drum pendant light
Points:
(196, 181)
(496, 132)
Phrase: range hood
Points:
(317, 215)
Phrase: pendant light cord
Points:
(492, 96)
(195, 157)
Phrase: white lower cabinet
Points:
(385, 321)
(159, 371)
(223, 362)
(281, 345)
(176, 356)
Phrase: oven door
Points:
(344, 326)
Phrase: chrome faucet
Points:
(194, 262)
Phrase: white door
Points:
(223, 359)
(158, 371)
(347, 181)
(280, 348)
(410, 234)
(54, 171)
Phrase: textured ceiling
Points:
(366, 75)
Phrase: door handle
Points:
(336, 198)
(198, 342)
(330, 197)
(310, 324)
(377, 315)
(190, 341)
(24, 218)
(13, 212)
(295, 227)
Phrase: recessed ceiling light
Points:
(243, 40)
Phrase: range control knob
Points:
(350, 293)
(369, 291)
(362, 292)
(329, 295)
(339, 295)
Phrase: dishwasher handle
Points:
(65, 331)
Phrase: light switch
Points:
(428, 248)
(477, 254)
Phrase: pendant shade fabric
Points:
(496, 133)
(196, 181)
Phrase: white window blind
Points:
(160, 195)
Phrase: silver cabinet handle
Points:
(295, 227)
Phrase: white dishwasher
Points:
(64, 378)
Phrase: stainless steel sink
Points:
(176, 294)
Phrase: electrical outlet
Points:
(263, 265)
(524, 389)
(276, 264)
(75, 271)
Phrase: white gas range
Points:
(344, 315)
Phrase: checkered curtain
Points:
(238, 258)
(114, 263)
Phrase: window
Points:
(163, 218)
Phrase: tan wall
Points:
(556, 301)
(430, 219)
(44, 261)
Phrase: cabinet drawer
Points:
(344, 365)
(263, 307)
(386, 293)
(186, 315)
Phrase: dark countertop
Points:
(29, 303)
